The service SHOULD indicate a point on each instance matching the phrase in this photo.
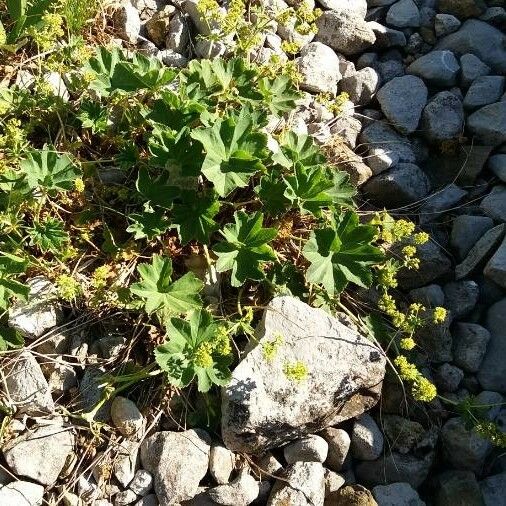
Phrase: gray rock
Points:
(262, 409)
(471, 68)
(461, 297)
(480, 251)
(395, 467)
(209, 49)
(90, 393)
(495, 16)
(462, 8)
(497, 165)
(457, 487)
(333, 482)
(464, 448)
(493, 489)
(480, 39)
(177, 461)
(386, 148)
(403, 14)
(40, 454)
(443, 117)
(354, 494)
(448, 377)
(359, 7)
(366, 439)
(319, 68)
(437, 68)
(57, 85)
(339, 445)
(125, 462)
(380, 3)
(495, 402)
(40, 313)
(126, 416)
(466, 231)
(403, 435)
(178, 35)
(127, 21)
(396, 494)
(157, 26)
(361, 86)
(21, 493)
(141, 483)
(403, 184)
(492, 373)
(435, 338)
(344, 32)
(311, 448)
(469, 345)
(494, 204)
(444, 24)
(390, 69)
(149, 500)
(303, 485)
(441, 201)
(387, 37)
(496, 266)
(25, 385)
(172, 58)
(429, 296)
(402, 101)
(484, 90)
(146, 8)
(124, 497)
(221, 464)
(239, 492)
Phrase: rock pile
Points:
(426, 82)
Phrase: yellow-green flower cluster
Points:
(270, 348)
(203, 355)
(439, 314)
(100, 276)
(421, 388)
(290, 47)
(489, 430)
(221, 344)
(295, 371)
(79, 185)
(407, 343)
(305, 18)
(14, 137)
(68, 288)
(48, 31)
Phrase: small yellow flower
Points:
(79, 185)
(407, 343)
(402, 229)
(421, 238)
(270, 348)
(409, 251)
(439, 314)
(407, 370)
(222, 344)
(68, 288)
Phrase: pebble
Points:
(221, 463)
(239, 492)
(339, 443)
(308, 449)
(469, 345)
(366, 439)
(126, 416)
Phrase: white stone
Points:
(126, 416)
(127, 21)
(221, 463)
(311, 448)
(319, 67)
(262, 408)
(240, 492)
(366, 438)
(21, 493)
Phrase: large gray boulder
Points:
(344, 31)
(402, 100)
(494, 204)
(396, 494)
(492, 373)
(403, 14)
(21, 493)
(262, 407)
(177, 461)
(495, 269)
(480, 39)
